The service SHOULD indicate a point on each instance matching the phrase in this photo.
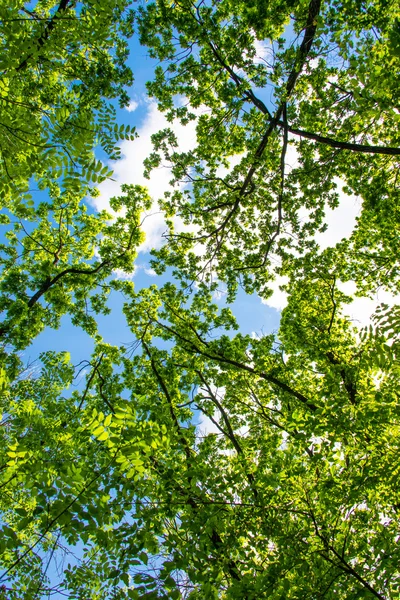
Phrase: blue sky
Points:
(253, 316)
(251, 313)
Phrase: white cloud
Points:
(360, 310)
(121, 274)
(219, 294)
(206, 426)
(291, 156)
(340, 220)
(278, 300)
(263, 51)
(132, 106)
(340, 224)
(129, 169)
(233, 161)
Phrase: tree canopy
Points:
(111, 489)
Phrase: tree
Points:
(61, 64)
(318, 92)
(296, 494)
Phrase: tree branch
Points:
(242, 366)
(183, 440)
(231, 434)
(303, 51)
(364, 148)
(54, 521)
(62, 7)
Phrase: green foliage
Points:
(61, 64)
(275, 133)
(63, 264)
(110, 465)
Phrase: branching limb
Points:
(62, 7)
(96, 370)
(187, 449)
(54, 521)
(190, 346)
(362, 148)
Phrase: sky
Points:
(253, 314)
(142, 113)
